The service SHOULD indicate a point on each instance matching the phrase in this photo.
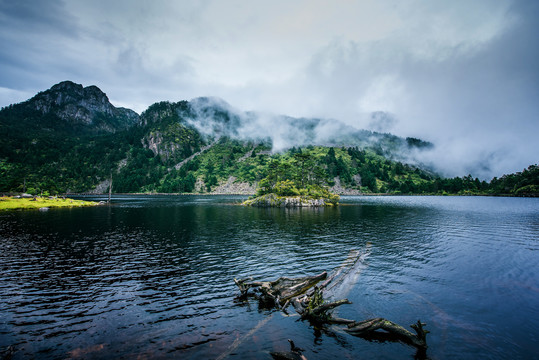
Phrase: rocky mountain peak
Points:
(67, 86)
(80, 105)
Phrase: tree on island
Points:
(300, 176)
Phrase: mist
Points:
(214, 118)
(462, 75)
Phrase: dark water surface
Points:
(152, 277)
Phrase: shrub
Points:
(286, 188)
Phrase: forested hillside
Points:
(71, 139)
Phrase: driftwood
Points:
(308, 295)
(279, 292)
(295, 353)
(367, 327)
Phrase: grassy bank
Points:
(12, 203)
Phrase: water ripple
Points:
(154, 279)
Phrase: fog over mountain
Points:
(462, 75)
(214, 117)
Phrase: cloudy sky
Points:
(461, 74)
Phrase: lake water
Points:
(152, 277)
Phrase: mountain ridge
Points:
(70, 138)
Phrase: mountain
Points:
(70, 106)
(70, 138)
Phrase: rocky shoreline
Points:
(272, 200)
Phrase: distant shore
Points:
(242, 194)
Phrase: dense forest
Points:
(71, 139)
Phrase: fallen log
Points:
(314, 308)
(368, 327)
(308, 295)
(278, 292)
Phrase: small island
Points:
(296, 183)
(41, 203)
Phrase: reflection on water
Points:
(152, 276)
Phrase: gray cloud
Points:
(381, 122)
(37, 17)
(463, 74)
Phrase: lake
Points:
(152, 277)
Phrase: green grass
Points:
(10, 203)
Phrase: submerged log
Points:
(309, 296)
(295, 353)
(314, 308)
(368, 327)
(278, 292)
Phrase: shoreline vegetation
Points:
(41, 203)
(253, 195)
(300, 171)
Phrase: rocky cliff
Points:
(78, 105)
